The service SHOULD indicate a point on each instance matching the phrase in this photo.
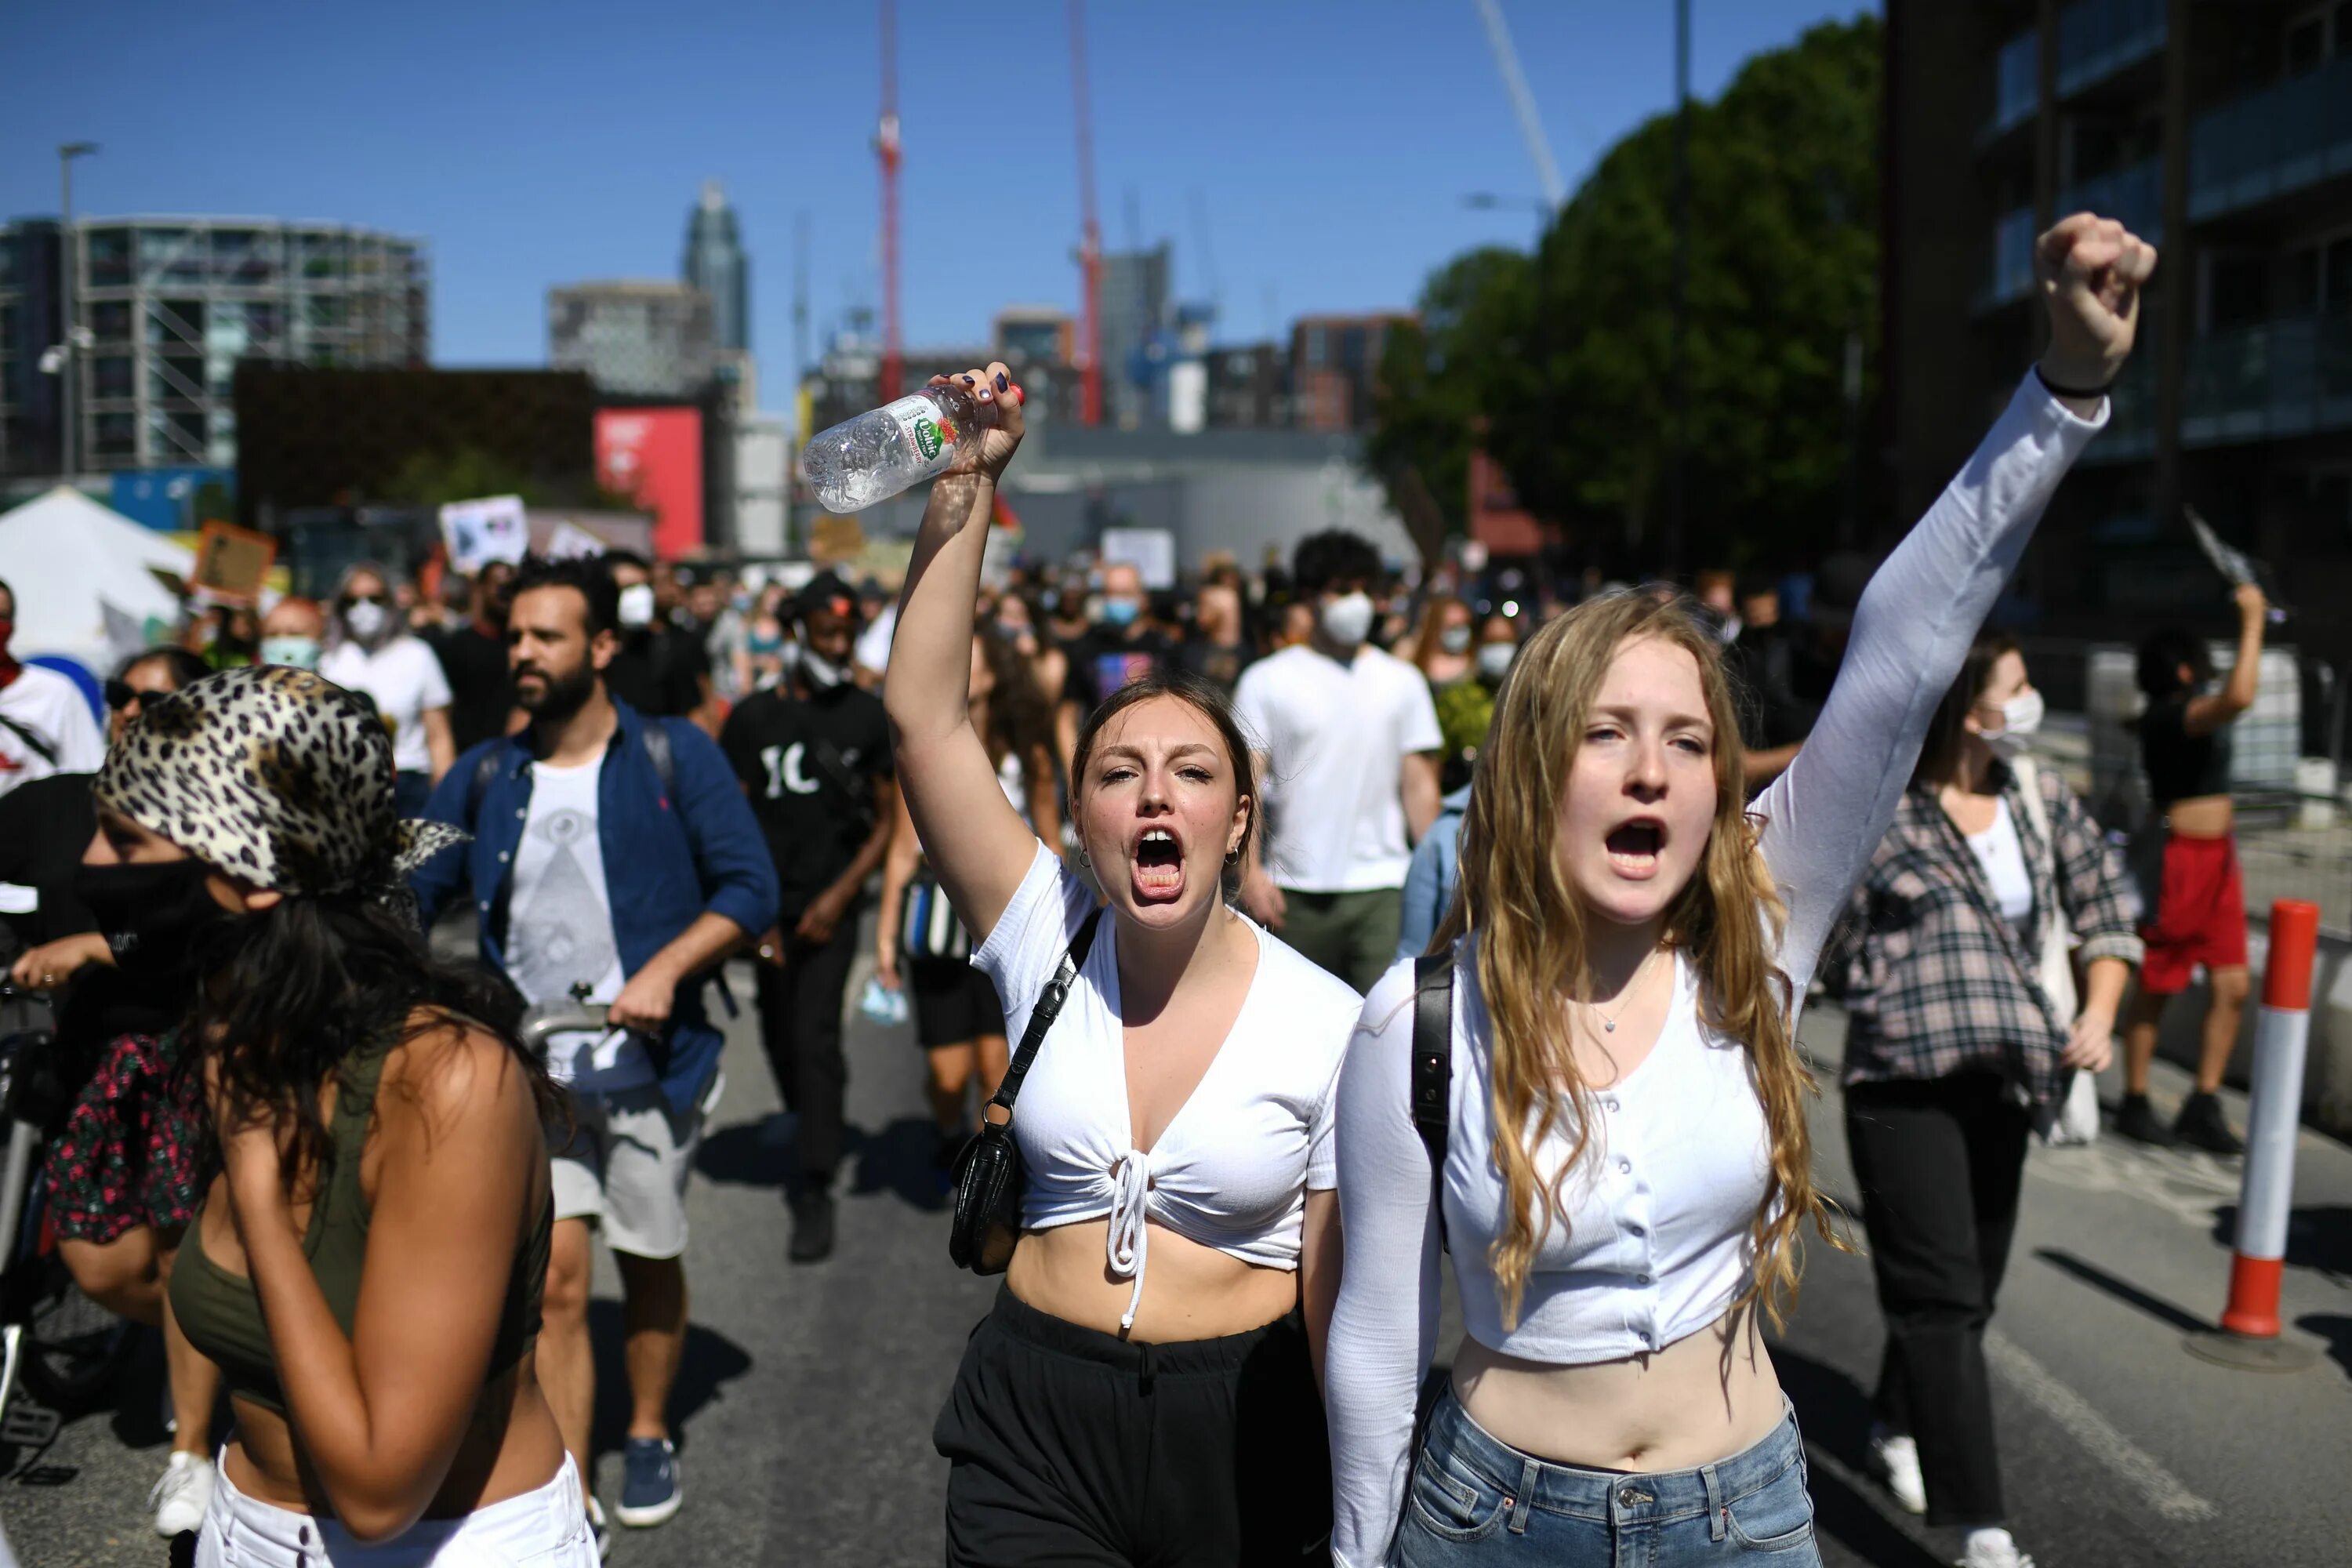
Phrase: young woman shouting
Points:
(1626, 1161)
(1143, 1390)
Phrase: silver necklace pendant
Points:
(1610, 1024)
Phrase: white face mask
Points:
(822, 674)
(1495, 660)
(1454, 639)
(2021, 717)
(638, 606)
(1348, 620)
(365, 618)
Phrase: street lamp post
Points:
(68, 262)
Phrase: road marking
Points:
(2162, 1490)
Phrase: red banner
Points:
(655, 454)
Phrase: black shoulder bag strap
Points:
(1042, 1016)
(39, 742)
(1432, 1066)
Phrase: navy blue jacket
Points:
(669, 856)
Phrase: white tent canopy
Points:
(84, 577)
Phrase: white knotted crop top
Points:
(1232, 1168)
(1658, 1219)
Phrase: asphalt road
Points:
(805, 1405)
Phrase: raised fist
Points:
(2091, 270)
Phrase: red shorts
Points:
(2200, 916)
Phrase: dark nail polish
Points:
(968, 381)
(1002, 381)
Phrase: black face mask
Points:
(152, 916)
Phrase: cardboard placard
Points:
(568, 539)
(480, 531)
(1150, 551)
(232, 562)
(837, 539)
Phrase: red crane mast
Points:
(885, 146)
(1089, 347)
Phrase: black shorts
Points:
(1070, 1445)
(954, 1003)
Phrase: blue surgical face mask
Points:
(294, 652)
(1121, 612)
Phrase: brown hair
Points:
(1433, 624)
(1948, 732)
(1532, 937)
(1213, 705)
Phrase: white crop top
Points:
(1232, 1170)
(1657, 1226)
(2001, 855)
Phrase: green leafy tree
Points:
(1435, 382)
(436, 479)
(1574, 372)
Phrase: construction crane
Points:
(1090, 348)
(886, 147)
(1523, 102)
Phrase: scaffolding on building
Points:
(167, 306)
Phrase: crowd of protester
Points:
(1238, 810)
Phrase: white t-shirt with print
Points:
(560, 926)
(48, 707)
(1335, 737)
(405, 678)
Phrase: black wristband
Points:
(2057, 391)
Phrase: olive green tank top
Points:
(221, 1314)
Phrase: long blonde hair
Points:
(1532, 949)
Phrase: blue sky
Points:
(1324, 147)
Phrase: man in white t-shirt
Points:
(371, 652)
(46, 724)
(1347, 743)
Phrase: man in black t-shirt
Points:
(1121, 647)
(661, 669)
(813, 756)
(473, 655)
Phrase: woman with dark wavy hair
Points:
(365, 1265)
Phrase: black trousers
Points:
(800, 1026)
(1068, 1447)
(1940, 1162)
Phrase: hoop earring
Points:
(1086, 859)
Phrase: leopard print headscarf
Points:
(276, 775)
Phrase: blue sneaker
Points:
(649, 1489)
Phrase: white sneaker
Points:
(183, 1495)
(1992, 1548)
(1898, 1466)
(600, 1530)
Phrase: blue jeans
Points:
(1475, 1499)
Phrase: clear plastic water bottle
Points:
(888, 449)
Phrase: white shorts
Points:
(543, 1529)
(626, 1168)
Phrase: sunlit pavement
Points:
(805, 1406)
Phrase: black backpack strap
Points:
(485, 770)
(659, 752)
(1042, 1017)
(1433, 1064)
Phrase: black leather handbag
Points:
(989, 1180)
